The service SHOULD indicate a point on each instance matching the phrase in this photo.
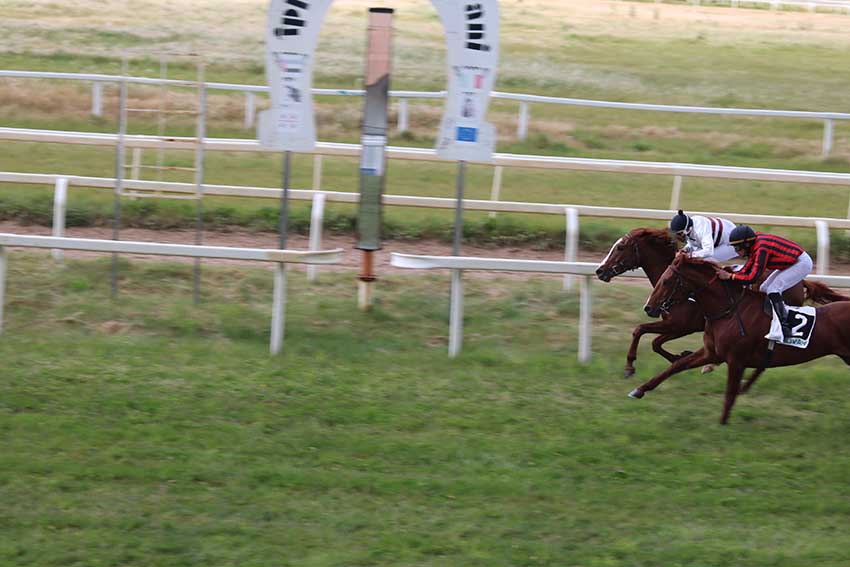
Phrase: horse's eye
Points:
(620, 248)
(667, 283)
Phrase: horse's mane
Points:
(655, 236)
(700, 262)
(711, 267)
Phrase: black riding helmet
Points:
(680, 223)
(742, 236)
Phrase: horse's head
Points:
(683, 277)
(623, 256)
(636, 249)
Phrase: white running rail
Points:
(279, 257)
(98, 80)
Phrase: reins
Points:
(732, 309)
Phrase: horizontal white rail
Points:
(524, 99)
(428, 154)
(810, 5)
(413, 201)
(420, 262)
(586, 270)
(187, 250)
(520, 97)
(279, 257)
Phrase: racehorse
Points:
(736, 323)
(654, 250)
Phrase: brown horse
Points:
(653, 250)
(736, 323)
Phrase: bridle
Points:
(672, 300)
(621, 267)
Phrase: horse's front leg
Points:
(660, 340)
(659, 327)
(733, 386)
(698, 358)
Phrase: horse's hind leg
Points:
(733, 386)
(755, 376)
(698, 358)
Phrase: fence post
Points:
(571, 244)
(677, 192)
(496, 188)
(585, 318)
(402, 114)
(97, 99)
(250, 109)
(823, 247)
(278, 308)
(317, 172)
(3, 261)
(316, 215)
(827, 138)
(456, 314)
(136, 163)
(522, 125)
(60, 199)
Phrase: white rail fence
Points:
(318, 198)
(677, 170)
(810, 5)
(584, 270)
(280, 257)
(524, 100)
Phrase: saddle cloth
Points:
(802, 323)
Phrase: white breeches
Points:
(722, 253)
(780, 280)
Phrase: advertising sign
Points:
(472, 39)
(292, 32)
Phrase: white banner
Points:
(292, 32)
(472, 39)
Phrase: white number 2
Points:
(803, 321)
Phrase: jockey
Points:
(704, 237)
(789, 262)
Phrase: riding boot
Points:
(781, 312)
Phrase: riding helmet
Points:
(681, 222)
(741, 234)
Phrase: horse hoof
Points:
(628, 372)
(708, 368)
(636, 394)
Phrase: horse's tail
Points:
(821, 293)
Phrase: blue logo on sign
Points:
(467, 134)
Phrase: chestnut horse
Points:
(653, 250)
(736, 323)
